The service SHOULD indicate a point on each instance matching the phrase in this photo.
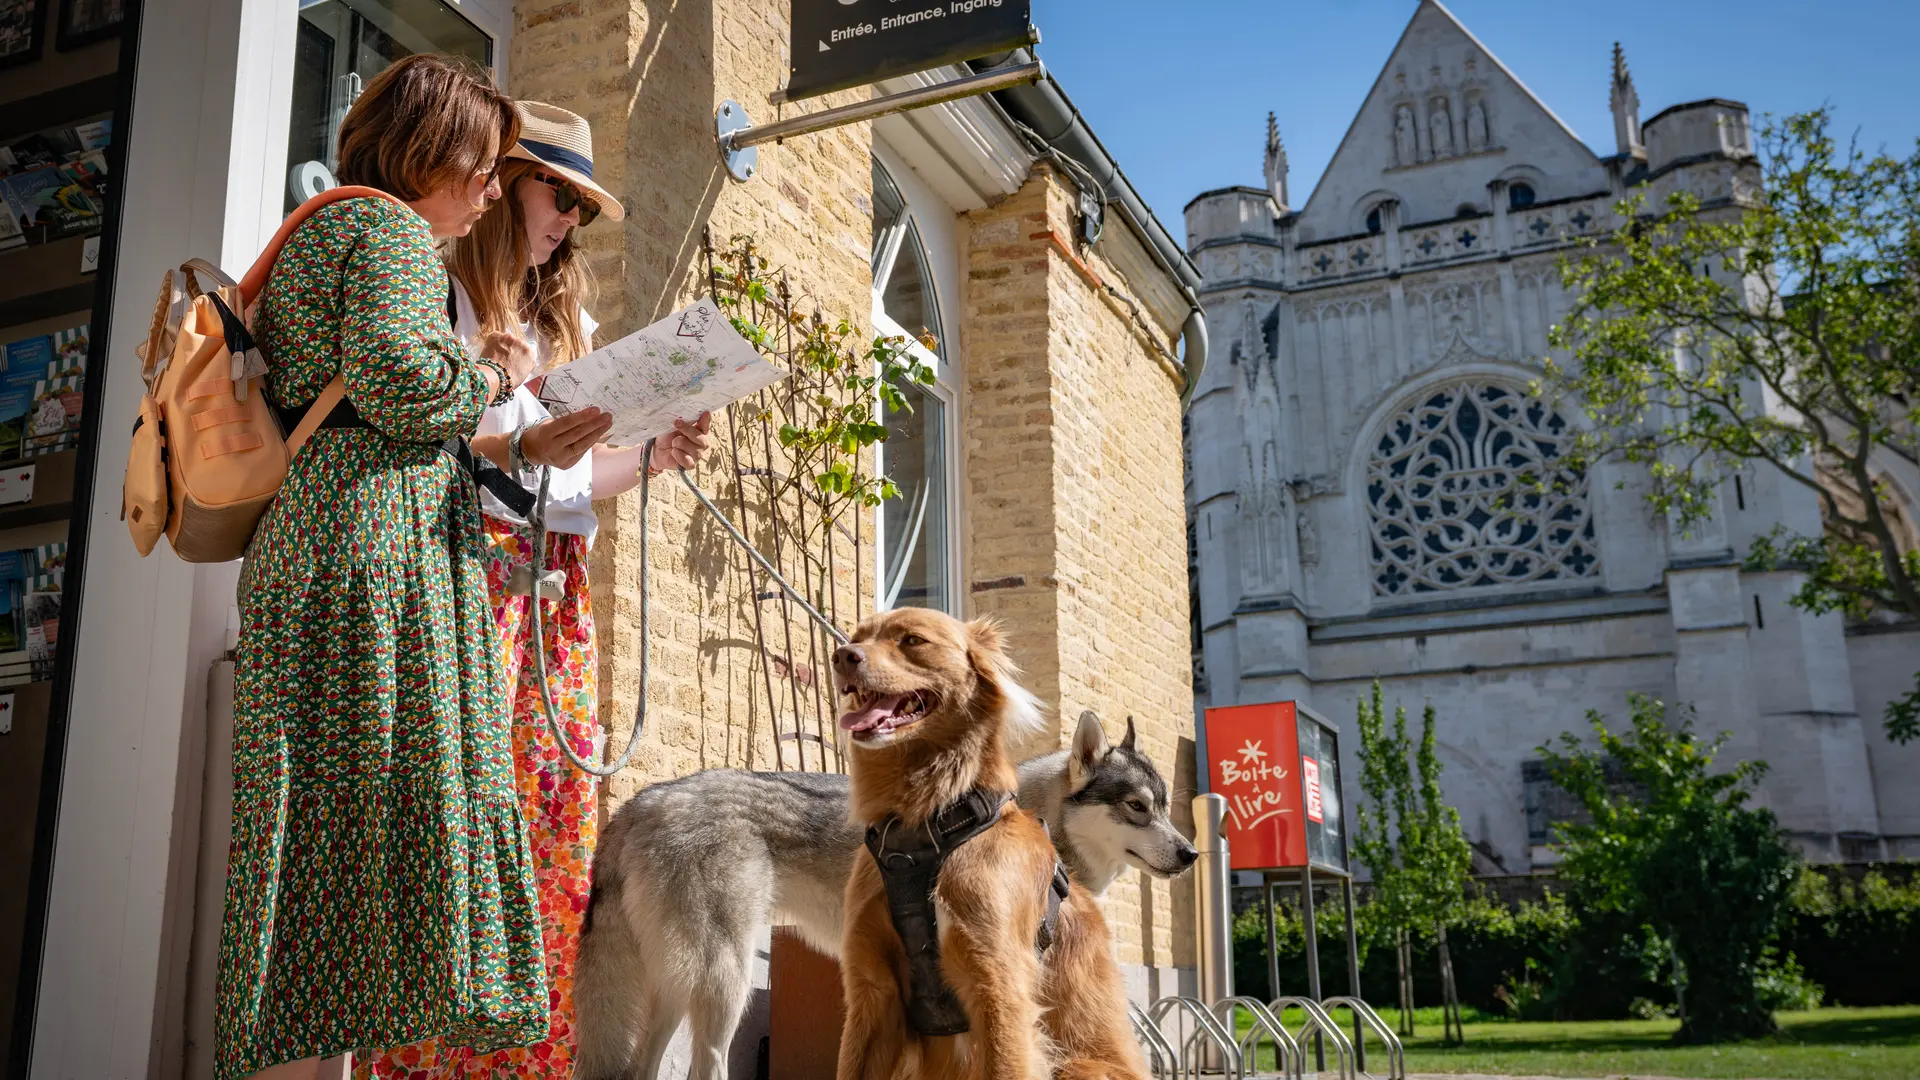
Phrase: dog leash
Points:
(538, 520)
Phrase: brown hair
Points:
(491, 263)
(422, 124)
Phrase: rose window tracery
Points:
(1469, 487)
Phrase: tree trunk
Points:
(1403, 955)
(1454, 1033)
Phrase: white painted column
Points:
(1396, 292)
(1712, 660)
(1509, 288)
(205, 158)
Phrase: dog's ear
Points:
(1127, 743)
(1089, 746)
(986, 655)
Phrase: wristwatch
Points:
(516, 460)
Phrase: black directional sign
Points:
(841, 43)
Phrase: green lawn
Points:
(1825, 1044)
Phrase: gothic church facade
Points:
(1353, 443)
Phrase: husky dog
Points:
(691, 871)
(1106, 806)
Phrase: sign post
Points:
(1277, 766)
(837, 44)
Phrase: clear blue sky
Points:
(1179, 90)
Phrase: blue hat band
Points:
(561, 156)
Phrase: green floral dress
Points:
(380, 890)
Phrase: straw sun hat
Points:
(563, 144)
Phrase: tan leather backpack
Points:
(208, 452)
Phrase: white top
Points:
(570, 491)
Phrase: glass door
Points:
(341, 45)
(915, 547)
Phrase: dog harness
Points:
(910, 860)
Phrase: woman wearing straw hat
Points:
(520, 270)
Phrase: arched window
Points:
(1373, 221)
(1466, 209)
(913, 548)
(1519, 196)
(1468, 488)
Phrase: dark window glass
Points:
(341, 45)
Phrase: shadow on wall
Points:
(1183, 786)
(674, 173)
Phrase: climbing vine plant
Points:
(803, 477)
(842, 382)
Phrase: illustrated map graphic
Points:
(690, 362)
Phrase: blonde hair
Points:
(491, 263)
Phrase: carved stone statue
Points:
(1308, 537)
(1476, 126)
(1405, 150)
(1441, 123)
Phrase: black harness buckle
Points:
(909, 860)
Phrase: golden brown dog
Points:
(929, 699)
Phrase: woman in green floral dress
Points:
(379, 886)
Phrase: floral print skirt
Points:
(380, 887)
(557, 799)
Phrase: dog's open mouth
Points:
(872, 715)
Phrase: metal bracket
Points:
(729, 118)
(737, 137)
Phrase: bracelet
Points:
(505, 393)
(516, 458)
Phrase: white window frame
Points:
(942, 390)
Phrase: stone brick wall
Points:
(648, 75)
(1071, 510)
(1074, 516)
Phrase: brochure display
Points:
(61, 147)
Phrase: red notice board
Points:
(1278, 767)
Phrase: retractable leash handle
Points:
(538, 519)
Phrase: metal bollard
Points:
(1212, 882)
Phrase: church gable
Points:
(1444, 118)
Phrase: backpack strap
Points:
(256, 278)
(316, 414)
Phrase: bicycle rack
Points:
(1232, 1066)
(1396, 1056)
(1161, 1058)
(1287, 1054)
(1317, 1018)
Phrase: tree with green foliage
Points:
(1680, 852)
(1410, 840)
(1779, 330)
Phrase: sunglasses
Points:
(566, 197)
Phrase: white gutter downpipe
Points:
(1194, 356)
(1044, 107)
